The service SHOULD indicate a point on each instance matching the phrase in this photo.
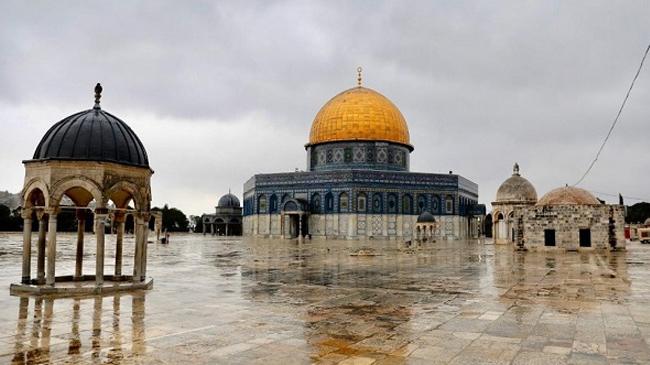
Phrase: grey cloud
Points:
(482, 84)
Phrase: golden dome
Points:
(359, 114)
(568, 195)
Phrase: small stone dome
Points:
(426, 217)
(228, 201)
(568, 195)
(647, 222)
(516, 189)
(92, 135)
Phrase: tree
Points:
(174, 220)
(638, 213)
(10, 221)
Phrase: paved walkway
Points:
(219, 301)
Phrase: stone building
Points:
(515, 192)
(567, 218)
(94, 160)
(570, 218)
(227, 218)
(358, 184)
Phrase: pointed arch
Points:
(77, 182)
(34, 185)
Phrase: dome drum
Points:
(358, 155)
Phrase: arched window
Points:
(392, 203)
(273, 206)
(377, 203)
(361, 202)
(261, 204)
(290, 206)
(449, 205)
(315, 203)
(435, 204)
(329, 202)
(407, 204)
(343, 202)
(422, 203)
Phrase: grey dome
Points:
(516, 189)
(92, 135)
(426, 217)
(228, 201)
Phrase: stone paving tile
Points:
(240, 301)
(539, 358)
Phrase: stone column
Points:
(100, 219)
(282, 224)
(145, 240)
(300, 239)
(137, 227)
(27, 246)
(139, 239)
(51, 247)
(119, 240)
(203, 224)
(226, 229)
(212, 229)
(40, 261)
(81, 225)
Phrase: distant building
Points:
(567, 218)
(227, 219)
(358, 184)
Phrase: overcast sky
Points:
(219, 91)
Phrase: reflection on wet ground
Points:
(235, 301)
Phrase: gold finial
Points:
(359, 69)
(98, 94)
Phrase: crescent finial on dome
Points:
(515, 169)
(359, 78)
(98, 95)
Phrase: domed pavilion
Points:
(91, 163)
(425, 227)
(513, 193)
(227, 218)
(358, 183)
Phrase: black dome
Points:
(426, 217)
(228, 201)
(92, 135)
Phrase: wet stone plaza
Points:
(241, 301)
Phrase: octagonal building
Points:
(358, 182)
